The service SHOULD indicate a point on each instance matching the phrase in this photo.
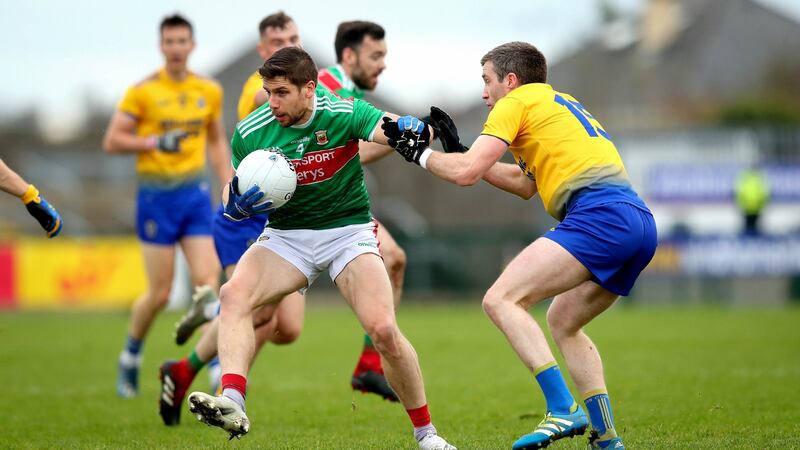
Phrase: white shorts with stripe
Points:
(312, 251)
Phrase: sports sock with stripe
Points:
(599, 408)
(559, 400)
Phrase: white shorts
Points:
(312, 251)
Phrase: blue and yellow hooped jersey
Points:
(556, 142)
(160, 104)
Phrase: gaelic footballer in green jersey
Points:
(330, 183)
(322, 228)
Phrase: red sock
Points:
(234, 381)
(420, 417)
(183, 371)
(370, 360)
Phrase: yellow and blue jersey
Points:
(247, 100)
(557, 143)
(160, 104)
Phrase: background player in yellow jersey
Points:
(37, 206)
(169, 120)
(606, 236)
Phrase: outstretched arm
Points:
(465, 169)
(372, 151)
(11, 182)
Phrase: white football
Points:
(272, 172)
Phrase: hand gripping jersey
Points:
(160, 104)
(557, 143)
(330, 183)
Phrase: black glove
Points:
(170, 142)
(409, 144)
(446, 131)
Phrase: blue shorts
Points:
(165, 216)
(231, 239)
(615, 241)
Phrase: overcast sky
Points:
(54, 51)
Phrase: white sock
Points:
(234, 395)
(421, 432)
(211, 310)
(128, 359)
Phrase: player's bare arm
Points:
(371, 151)
(219, 152)
(510, 178)
(121, 136)
(466, 169)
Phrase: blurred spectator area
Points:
(691, 92)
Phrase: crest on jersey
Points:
(322, 137)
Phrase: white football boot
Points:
(433, 441)
(220, 412)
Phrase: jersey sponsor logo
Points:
(302, 140)
(322, 165)
(322, 137)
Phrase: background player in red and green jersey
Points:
(360, 54)
(169, 120)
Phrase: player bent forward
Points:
(327, 225)
(606, 236)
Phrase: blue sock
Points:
(556, 393)
(133, 345)
(599, 409)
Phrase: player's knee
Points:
(492, 303)
(159, 297)
(287, 332)
(560, 324)
(396, 260)
(232, 299)
(385, 336)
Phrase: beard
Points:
(362, 80)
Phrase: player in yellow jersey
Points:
(170, 120)
(606, 236)
(37, 206)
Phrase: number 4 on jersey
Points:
(582, 115)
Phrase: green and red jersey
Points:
(330, 191)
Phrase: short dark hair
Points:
(175, 20)
(292, 63)
(277, 20)
(351, 35)
(520, 58)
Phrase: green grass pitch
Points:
(680, 378)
